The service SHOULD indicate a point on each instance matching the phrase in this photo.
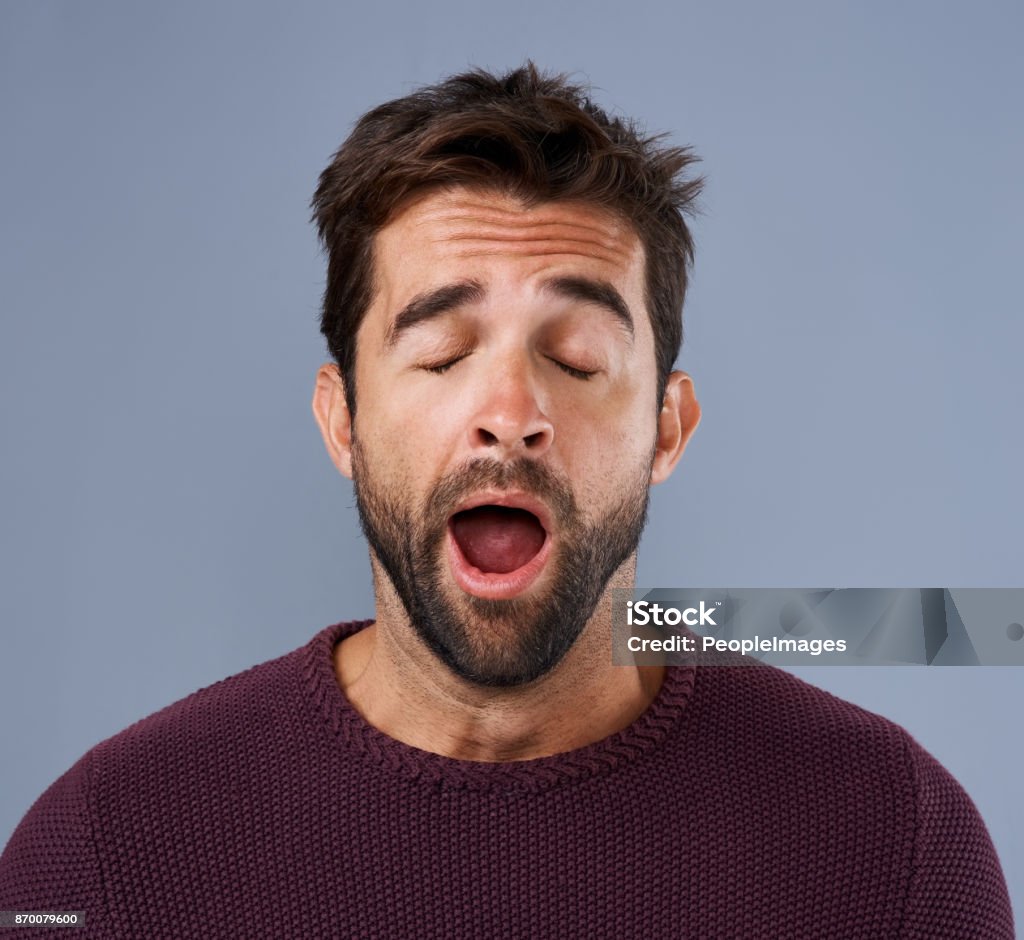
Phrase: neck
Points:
(400, 687)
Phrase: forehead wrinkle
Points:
(470, 226)
(516, 220)
(502, 233)
(494, 203)
(561, 238)
(513, 247)
(484, 217)
(568, 240)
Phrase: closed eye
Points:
(442, 367)
(572, 370)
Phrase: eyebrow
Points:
(590, 291)
(431, 304)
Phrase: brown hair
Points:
(528, 133)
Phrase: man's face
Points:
(505, 429)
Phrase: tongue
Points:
(497, 539)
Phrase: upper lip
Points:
(513, 499)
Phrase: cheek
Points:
(607, 461)
(621, 421)
(404, 441)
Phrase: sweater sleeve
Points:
(957, 889)
(51, 862)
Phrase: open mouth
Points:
(498, 539)
(497, 551)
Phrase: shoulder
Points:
(225, 734)
(252, 708)
(50, 861)
(774, 711)
(222, 713)
(957, 883)
(769, 716)
(849, 766)
(150, 781)
(231, 709)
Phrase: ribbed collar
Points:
(602, 757)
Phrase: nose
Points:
(510, 421)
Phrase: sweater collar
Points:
(624, 747)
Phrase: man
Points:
(507, 267)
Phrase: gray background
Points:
(168, 514)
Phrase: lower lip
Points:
(495, 585)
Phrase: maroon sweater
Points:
(743, 803)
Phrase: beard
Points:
(507, 642)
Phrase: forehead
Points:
(466, 230)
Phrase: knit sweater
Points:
(743, 803)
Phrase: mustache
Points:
(523, 473)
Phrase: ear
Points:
(678, 419)
(332, 415)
